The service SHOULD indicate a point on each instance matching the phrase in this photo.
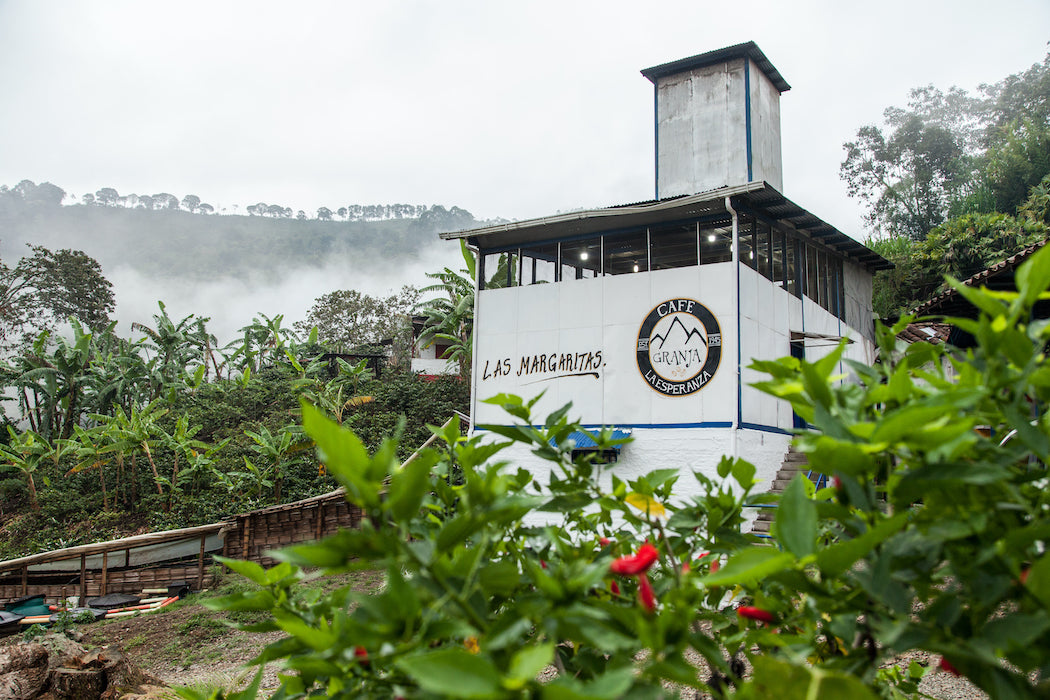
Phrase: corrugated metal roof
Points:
(756, 195)
(999, 276)
(748, 49)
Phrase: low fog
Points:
(230, 303)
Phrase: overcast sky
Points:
(506, 109)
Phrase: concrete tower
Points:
(717, 121)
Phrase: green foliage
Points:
(450, 316)
(347, 319)
(951, 153)
(931, 537)
(959, 248)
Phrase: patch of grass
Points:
(203, 620)
(137, 640)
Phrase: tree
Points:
(145, 201)
(342, 213)
(191, 203)
(300, 215)
(908, 178)
(206, 208)
(324, 214)
(950, 153)
(44, 194)
(70, 284)
(164, 200)
(450, 316)
(347, 318)
(48, 288)
(107, 197)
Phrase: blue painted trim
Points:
(656, 140)
(766, 428)
(655, 426)
(747, 114)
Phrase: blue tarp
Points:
(585, 439)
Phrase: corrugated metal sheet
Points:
(748, 49)
(758, 196)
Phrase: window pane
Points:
(811, 274)
(777, 236)
(792, 267)
(840, 273)
(626, 253)
(581, 259)
(747, 241)
(500, 270)
(539, 264)
(673, 246)
(716, 243)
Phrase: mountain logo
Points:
(679, 347)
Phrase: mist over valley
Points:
(230, 267)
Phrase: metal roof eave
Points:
(597, 220)
(758, 195)
(748, 49)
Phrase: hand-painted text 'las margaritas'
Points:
(545, 366)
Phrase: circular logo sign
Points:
(679, 347)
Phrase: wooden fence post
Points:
(83, 579)
(105, 566)
(200, 565)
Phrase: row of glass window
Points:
(781, 256)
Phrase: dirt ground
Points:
(186, 644)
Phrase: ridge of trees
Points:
(174, 242)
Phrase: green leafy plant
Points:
(932, 536)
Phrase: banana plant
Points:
(450, 316)
(89, 447)
(24, 452)
(277, 451)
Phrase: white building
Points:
(646, 316)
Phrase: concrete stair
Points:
(794, 463)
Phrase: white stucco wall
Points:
(526, 333)
(858, 288)
(689, 450)
(597, 322)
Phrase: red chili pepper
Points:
(361, 654)
(837, 483)
(614, 588)
(604, 541)
(752, 613)
(543, 564)
(1024, 577)
(714, 566)
(947, 666)
(645, 594)
(686, 568)
(636, 563)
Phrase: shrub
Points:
(932, 537)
